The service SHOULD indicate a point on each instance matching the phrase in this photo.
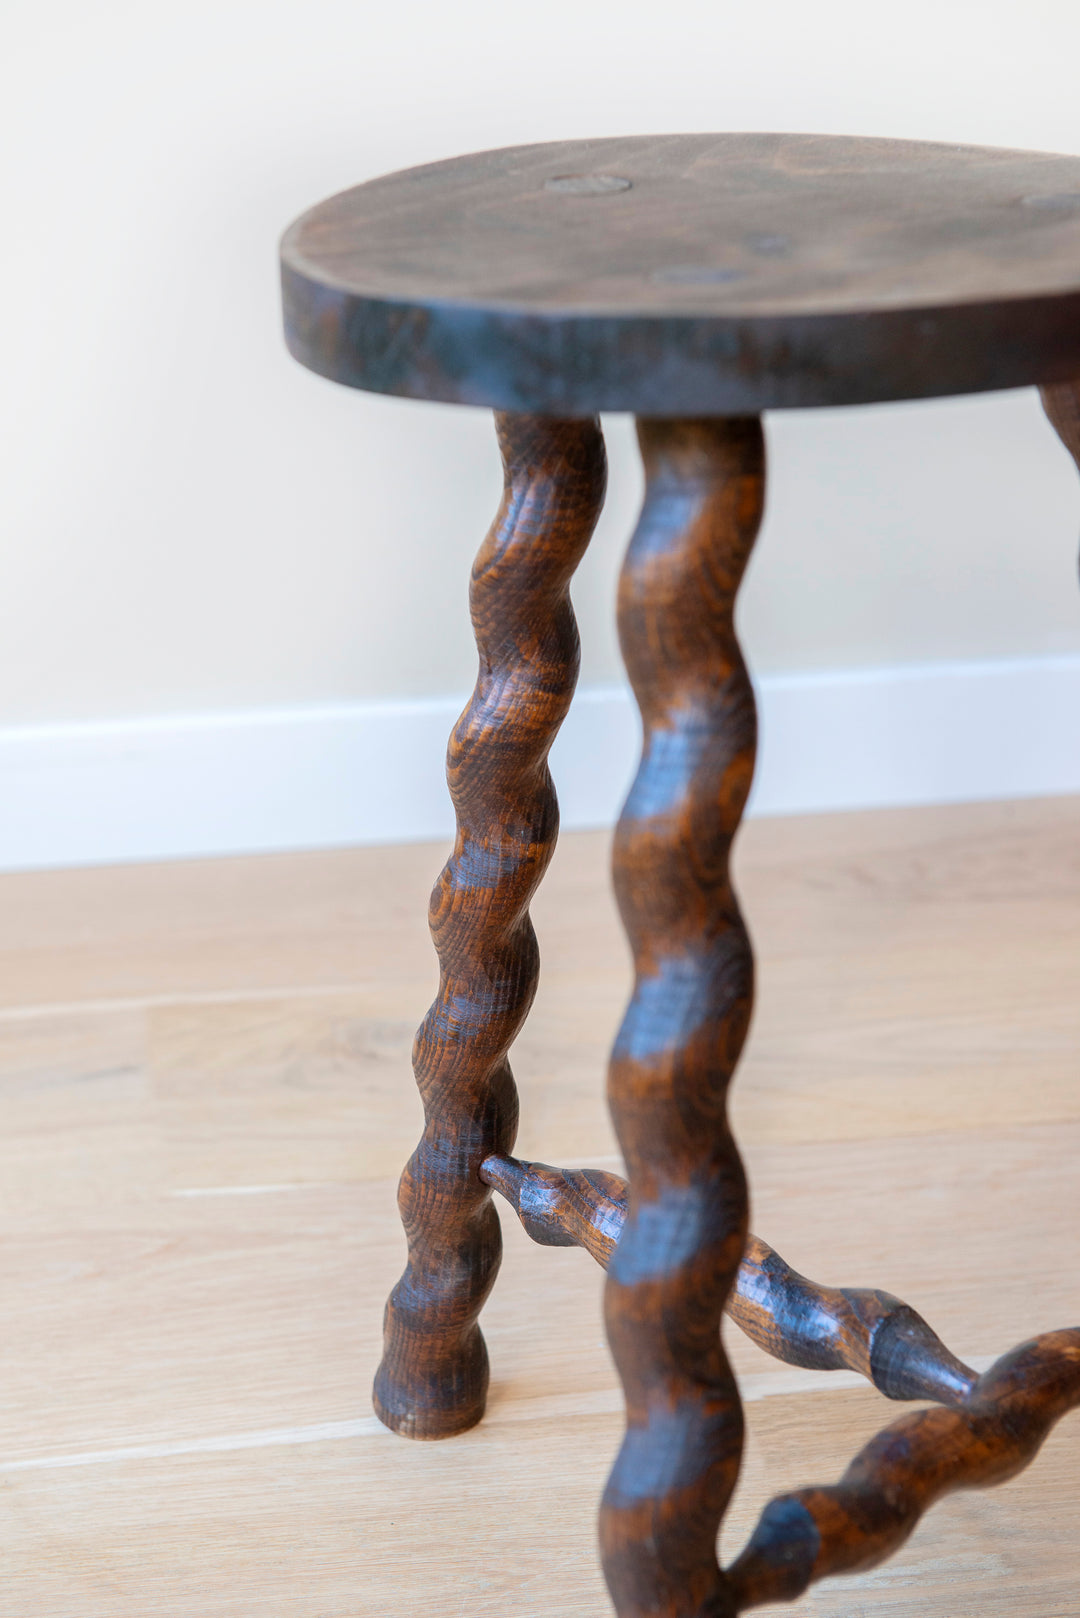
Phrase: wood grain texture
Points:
(701, 274)
(687, 1019)
(433, 1378)
(817, 1328)
(815, 1533)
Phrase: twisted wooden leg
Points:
(674, 1266)
(674, 1238)
(433, 1378)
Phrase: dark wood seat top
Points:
(694, 275)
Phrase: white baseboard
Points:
(173, 787)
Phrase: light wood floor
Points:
(206, 1100)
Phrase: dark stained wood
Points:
(812, 1534)
(562, 1207)
(837, 1328)
(683, 275)
(675, 1264)
(1062, 405)
(992, 1428)
(796, 1320)
(434, 1374)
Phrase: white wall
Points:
(191, 525)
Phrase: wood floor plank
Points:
(369, 1526)
(206, 1098)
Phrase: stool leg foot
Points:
(683, 1240)
(432, 1381)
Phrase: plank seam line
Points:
(607, 1401)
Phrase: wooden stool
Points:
(696, 281)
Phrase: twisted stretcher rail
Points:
(791, 1318)
(989, 1429)
(860, 1521)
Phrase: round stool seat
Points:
(694, 275)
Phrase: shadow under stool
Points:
(696, 281)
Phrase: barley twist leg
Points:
(680, 1250)
(433, 1379)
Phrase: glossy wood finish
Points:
(683, 1031)
(795, 1320)
(433, 1378)
(844, 1328)
(562, 1207)
(681, 275)
(814, 1533)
